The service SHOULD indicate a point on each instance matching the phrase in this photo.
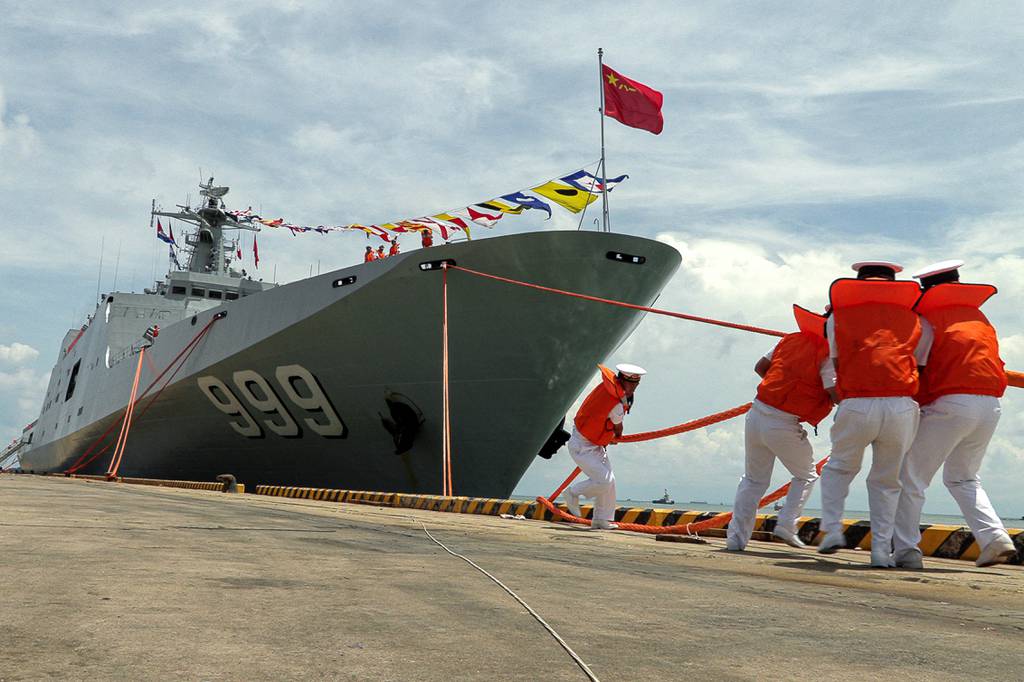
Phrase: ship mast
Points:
(207, 244)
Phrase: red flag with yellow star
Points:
(631, 102)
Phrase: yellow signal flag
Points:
(495, 205)
(565, 196)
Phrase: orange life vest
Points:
(965, 352)
(876, 332)
(370, 255)
(793, 381)
(393, 251)
(592, 418)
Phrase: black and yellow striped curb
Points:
(215, 486)
(939, 541)
(947, 542)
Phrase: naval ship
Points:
(336, 380)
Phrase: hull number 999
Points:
(296, 383)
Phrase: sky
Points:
(799, 138)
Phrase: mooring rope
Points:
(621, 304)
(122, 439)
(579, 661)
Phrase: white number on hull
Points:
(245, 380)
(297, 383)
(225, 401)
(317, 401)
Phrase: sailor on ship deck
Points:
(596, 425)
(369, 255)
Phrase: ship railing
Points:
(127, 353)
(9, 455)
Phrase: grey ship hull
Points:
(518, 360)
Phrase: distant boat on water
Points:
(698, 501)
(664, 499)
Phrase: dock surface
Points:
(112, 581)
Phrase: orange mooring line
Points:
(446, 445)
(621, 304)
(122, 440)
(565, 484)
(716, 521)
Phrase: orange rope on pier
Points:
(688, 426)
(657, 311)
(565, 484)
(718, 521)
(671, 431)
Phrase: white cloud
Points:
(17, 353)
(18, 139)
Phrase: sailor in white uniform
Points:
(959, 413)
(887, 424)
(592, 457)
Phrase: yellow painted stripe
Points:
(933, 537)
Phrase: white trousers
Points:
(955, 431)
(771, 433)
(888, 425)
(600, 483)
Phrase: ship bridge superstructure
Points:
(208, 274)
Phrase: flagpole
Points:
(604, 170)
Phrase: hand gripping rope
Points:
(89, 456)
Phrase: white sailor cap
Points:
(895, 267)
(877, 269)
(938, 268)
(631, 372)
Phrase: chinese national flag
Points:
(631, 102)
(255, 251)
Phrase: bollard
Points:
(230, 486)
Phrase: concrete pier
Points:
(112, 581)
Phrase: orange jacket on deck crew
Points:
(793, 380)
(592, 418)
(876, 332)
(369, 255)
(965, 352)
